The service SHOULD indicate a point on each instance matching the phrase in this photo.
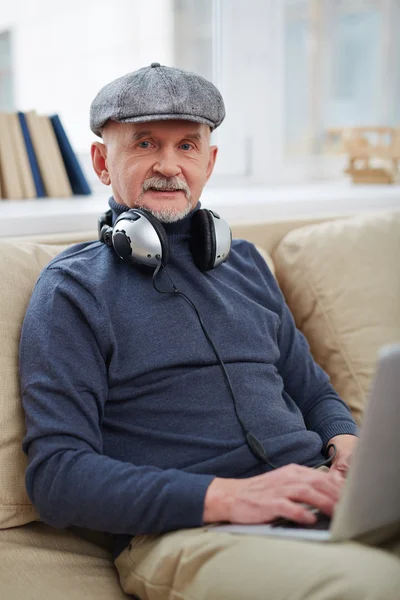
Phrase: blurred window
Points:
(6, 80)
(342, 68)
(289, 70)
(193, 22)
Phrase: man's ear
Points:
(211, 161)
(99, 160)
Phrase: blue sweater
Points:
(128, 415)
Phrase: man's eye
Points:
(186, 146)
(144, 144)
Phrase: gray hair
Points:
(170, 184)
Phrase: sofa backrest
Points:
(20, 265)
(340, 278)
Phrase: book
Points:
(37, 178)
(56, 158)
(11, 184)
(42, 155)
(21, 156)
(48, 155)
(75, 174)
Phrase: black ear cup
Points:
(122, 246)
(203, 242)
(106, 235)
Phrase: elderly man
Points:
(153, 415)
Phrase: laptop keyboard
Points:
(323, 523)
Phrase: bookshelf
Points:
(37, 159)
(237, 205)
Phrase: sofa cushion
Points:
(268, 258)
(20, 265)
(38, 561)
(341, 280)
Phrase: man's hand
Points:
(345, 445)
(279, 493)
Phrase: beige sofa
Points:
(341, 279)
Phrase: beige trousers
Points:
(202, 564)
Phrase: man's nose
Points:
(167, 164)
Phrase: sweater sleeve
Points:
(64, 351)
(304, 380)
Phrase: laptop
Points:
(371, 496)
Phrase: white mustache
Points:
(171, 184)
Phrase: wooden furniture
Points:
(374, 152)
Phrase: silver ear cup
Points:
(223, 239)
(142, 238)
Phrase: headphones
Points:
(139, 238)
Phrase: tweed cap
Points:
(157, 93)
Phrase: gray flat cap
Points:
(157, 93)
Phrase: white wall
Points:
(65, 52)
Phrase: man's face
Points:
(161, 166)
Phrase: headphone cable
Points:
(252, 441)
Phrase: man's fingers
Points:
(331, 485)
(340, 468)
(289, 492)
(337, 475)
(304, 493)
(328, 483)
(294, 512)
